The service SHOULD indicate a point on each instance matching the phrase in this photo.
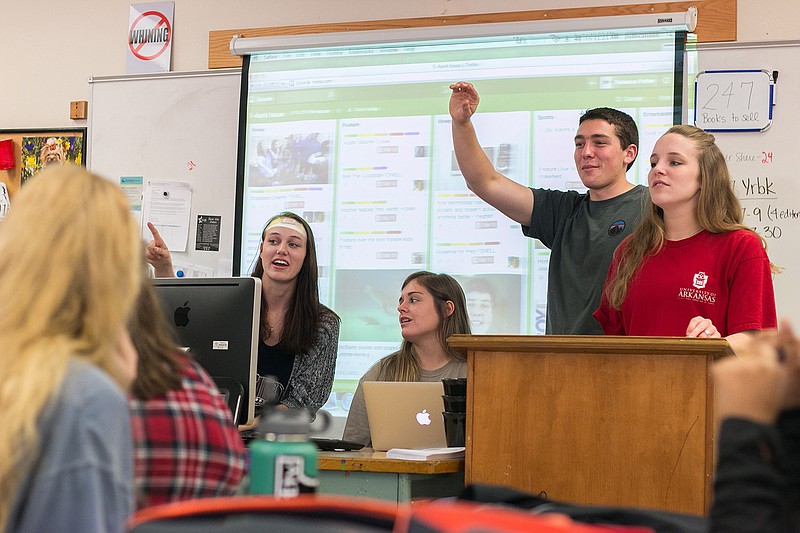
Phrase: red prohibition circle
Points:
(162, 20)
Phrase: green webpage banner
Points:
(357, 139)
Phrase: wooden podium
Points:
(591, 419)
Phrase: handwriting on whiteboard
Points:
(763, 208)
(733, 100)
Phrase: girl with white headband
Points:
(299, 335)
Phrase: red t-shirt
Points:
(721, 276)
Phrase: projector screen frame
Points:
(676, 21)
(364, 278)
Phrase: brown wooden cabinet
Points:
(593, 419)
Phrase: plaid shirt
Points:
(185, 444)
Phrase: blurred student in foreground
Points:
(691, 268)
(757, 481)
(185, 443)
(70, 269)
(431, 307)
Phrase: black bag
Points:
(659, 521)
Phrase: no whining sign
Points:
(150, 37)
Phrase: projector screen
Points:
(357, 140)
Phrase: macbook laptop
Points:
(405, 414)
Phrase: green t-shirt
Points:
(582, 235)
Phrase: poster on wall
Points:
(150, 37)
(25, 152)
(42, 150)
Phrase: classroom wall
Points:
(50, 51)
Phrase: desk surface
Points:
(368, 460)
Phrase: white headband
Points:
(289, 223)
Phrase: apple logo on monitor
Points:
(182, 315)
(424, 418)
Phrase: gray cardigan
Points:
(312, 373)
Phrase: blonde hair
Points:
(70, 268)
(718, 211)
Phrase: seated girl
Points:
(299, 335)
(185, 443)
(70, 268)
(432, 307)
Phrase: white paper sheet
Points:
(167, 204)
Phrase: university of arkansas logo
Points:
(698, 292)
(700, 280)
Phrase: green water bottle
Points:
(283, 463)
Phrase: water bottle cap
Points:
(286, 422)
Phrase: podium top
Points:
(598, 344)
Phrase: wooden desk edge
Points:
(371, 461)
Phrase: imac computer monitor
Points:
(217, 319)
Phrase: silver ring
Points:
(708, 333)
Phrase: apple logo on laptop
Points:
(423, 418)
(182, 315)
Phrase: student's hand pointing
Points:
(158, 255)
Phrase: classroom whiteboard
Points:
(175, 126)
(763, 169)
